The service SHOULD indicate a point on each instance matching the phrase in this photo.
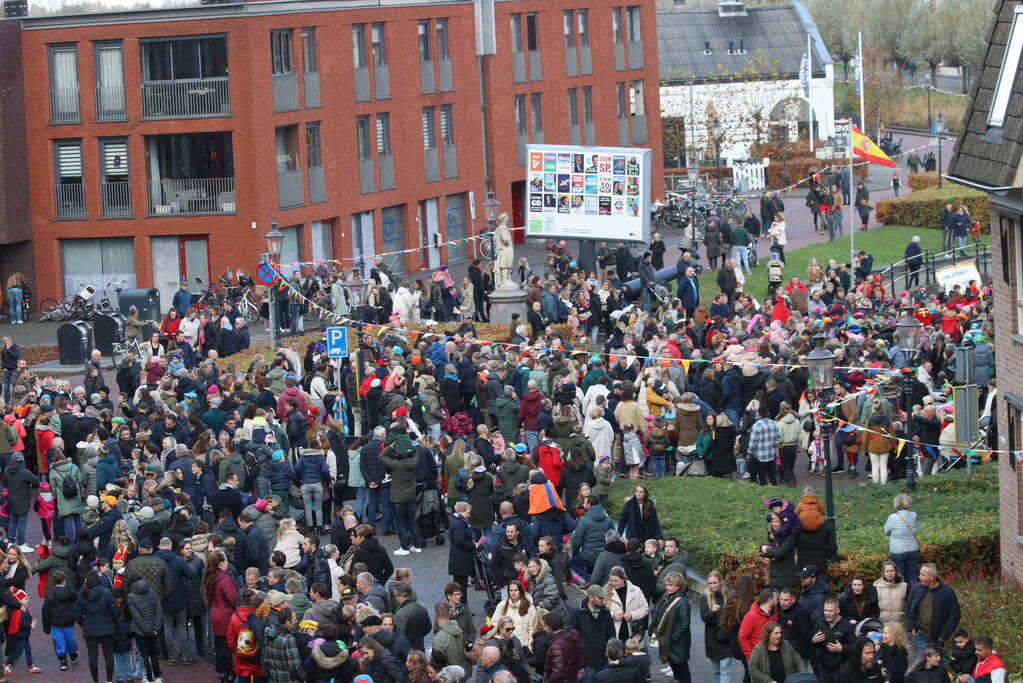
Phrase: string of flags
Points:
(869, 389)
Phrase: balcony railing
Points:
(64, 107)
(116, 199)
(70, 199)
(199, 98)
(110, 103)
(191, 196)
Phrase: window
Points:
(1009, 72)
(362, 138)
(424, 41)
(280, 51)
(632, 20)
(69, 162)
(287, 148)
(429, 130)
(359, 45)
(573, 107)
(537, 112)
(379, 48)
(179, 59)
(114, 159)
(620, 98)
(442, 40)
(384, 135)
(110, 82)
(588, 104)
(64, 106)
(636, 104)
(312, 144)
(532, 39)
(1017, 243)
(569, 22)
(309, 50)
(392, 220)
(616, 24)
(291, 246)
(520, 114)
(447, 125)
(516, 32)
(584, 27)
(111, 256)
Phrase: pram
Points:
(485, 581)
(428, 514)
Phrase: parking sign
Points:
(337, 342)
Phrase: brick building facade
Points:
(162, 143)
(989, 156)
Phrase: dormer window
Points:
(1008, 73)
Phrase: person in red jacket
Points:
(221, 593)
(989, 668)
(760, 613)
(551, 461)
(246, 666)
(564, 660)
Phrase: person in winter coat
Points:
(21, 485)
(310, 472)
(722, 447)
(330, 660)
(69, 508)
(221, 594)
(715, 639)
(245, 665)
(611, 556)
(461, 559)
(628, 605)
(564, 661)
(599, 433)
(639, 517)
(175, 604)
(762, 666)
(96, 611)
(58, 614)
(281, 659)
(670, 625)
(400, 460)
(577, 471)
(781, 549)
(479, 488)
(146, 622)
(858, 601)
(543, 589)
(108, 470)
(518, 606)
(815, 543)
(511, 473)
(638, 569)
(58, 561)
(588, 537)
(891, 592)
(760, 612)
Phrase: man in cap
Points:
(595, 625)
(109, 515)
(814, 592)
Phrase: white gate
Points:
(749, 176)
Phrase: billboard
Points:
(599, 193)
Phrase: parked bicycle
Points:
(77, 306)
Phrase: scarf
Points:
(456, 610)
(665, 621)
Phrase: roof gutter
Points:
(980, 186)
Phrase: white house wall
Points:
(735, 104)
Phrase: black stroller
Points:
(485, 581)
(429, 512)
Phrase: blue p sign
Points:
(337, 342)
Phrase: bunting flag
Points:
(864, 148)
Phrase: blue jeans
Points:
(434, 430)
(657, 464)
(405, 519)
(360, 501)
(582, 566)
(532, 439)
(17, 645)
(921, 641)
(64, 642)
(16, 532)
(380, 496)
(907, 564)
(742, 258)
(960, 242)
(15, 296)
(312, 500)
(8, 378)
(722, 670)
(295, 311)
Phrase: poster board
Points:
(598, 193)
(959, 274)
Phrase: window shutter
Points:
(69, 160)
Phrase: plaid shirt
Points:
(281, 660)
(764, 439)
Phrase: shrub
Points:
(991, 607)
(923, 181)
(721, 523)
(923, 209)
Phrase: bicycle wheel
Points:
(672, 219)
(48, 305)
(485, 247)
(739, 209)
(250, 312)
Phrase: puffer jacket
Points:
(151, 569)
(231, 463)
(511, 474)
(96, 611)
(891, 599)
(311, 466)
(588, 538)
(636, 604)
(58, 559)
(107, 471)
(544, 591)
(564, 658)
(687, 424)
(857, 613)
(144, 606)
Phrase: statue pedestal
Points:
(507, 300)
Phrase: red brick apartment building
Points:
(989, 156)
(153, 145)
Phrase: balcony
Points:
(64, 106)
(191, 196)
(110, 103)
(116, 195)
(188, 99)
(70, 201)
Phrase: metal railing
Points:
(895, 275)
(191, 196)
(70, 200)
(64, 106)
(116, 198)
(198, 98)
(110, 103)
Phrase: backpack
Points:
(249, 643)
(69, 487)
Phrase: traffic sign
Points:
(337, 342)
(265, 274)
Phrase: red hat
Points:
(416, 360)
(401, 411)
(18, 594)
(121, 554)
(213, 389)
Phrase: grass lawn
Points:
(886, 244)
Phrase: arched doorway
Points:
(790, 120)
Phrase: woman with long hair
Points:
(18, 568)
(221, 594)
(639, 517)
(196, 608)
(416, 665)
(670, 625)
(518, 605)
(715, 638)
(927, 668)
(289, 542)
(893, 656)
(97, 611)
(736, 606)
(120, 535)
(773, 659)
(891, 594)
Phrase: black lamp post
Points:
(821, 364)
(274, 242)
(907, 336)
(715, 131)
(939, 129)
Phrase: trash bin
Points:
(74, 342)
(146, 300)
(107, 329)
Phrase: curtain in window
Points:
(110, 74)
(64, 67)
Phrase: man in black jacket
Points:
(256, 543)
(795, 622)
(932, 610)
(313, 563)
(832, 640)
(20, 484)
(370, 553)
(374, 473)
(512, 543)
(595, 626)
(647, 279)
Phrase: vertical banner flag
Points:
(858, 73)
(804, 74)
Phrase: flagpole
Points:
(809, 80)
(852, 209)
(859, 53)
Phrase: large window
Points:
(584, 27)
(632, 23)
(532, 32)
(70, 194)
(425, 54)
(379, 46)
(287, 148)
(573, 107)
(536, 101)
(520, 114)
(1009, 72)
(64, 107)
(178, 59)
(393, 227)
(280, 51)
(621, 99)
(291, 247)
(587, 104)
(309, 62)
(454, 219)
(362, 137)
(516, 32)
(429, 128)
(442, 40)
(115, 186)
(359, 45)
(110, 81)
(312, 145)
(637, 107)
(97, 261)
(616, 24)
(569, 21)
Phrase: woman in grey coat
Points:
(146, 622)
(543, 589)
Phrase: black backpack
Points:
(69, 487)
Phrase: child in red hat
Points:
(19, 628)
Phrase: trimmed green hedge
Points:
(923, 209)
(721, 523)
(922, 181)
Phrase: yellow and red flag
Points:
(864, 148)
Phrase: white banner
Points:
(959, 274)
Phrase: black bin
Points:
(107, 329)
(146, 300)
(74, 342)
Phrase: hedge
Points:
(721, 523)
(923, 209)
(922, 181)
(991, 607)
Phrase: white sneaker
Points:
(416, 550)
(666, 670)
(401, 551)
(27, 549)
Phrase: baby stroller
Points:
(428, 514)
(485, 581)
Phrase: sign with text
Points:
(959, 274)
(599, 193)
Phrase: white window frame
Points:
(1008, 73)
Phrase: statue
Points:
(504, 252)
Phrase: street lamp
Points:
(938, 127)
(715, 131)
(907, 335)
(821, 364)
(274, 243)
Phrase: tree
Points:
(836, 22)
(970, 19)
(888, 25)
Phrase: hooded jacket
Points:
(640, 572)
(19, 482)
(145, 610)
(544, 591)
(510, 474)
(751, 626)
(529, 409)
(610, 557)
(588, 538)
(58, 607)
(330, 662)
(96, 611)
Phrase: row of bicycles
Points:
(680, 211)
(82, 305)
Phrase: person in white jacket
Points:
(517, 606)
(404, 303)
(777, 235)
(628, 616)
(190, 327)
(599, 433)
(590, 398)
